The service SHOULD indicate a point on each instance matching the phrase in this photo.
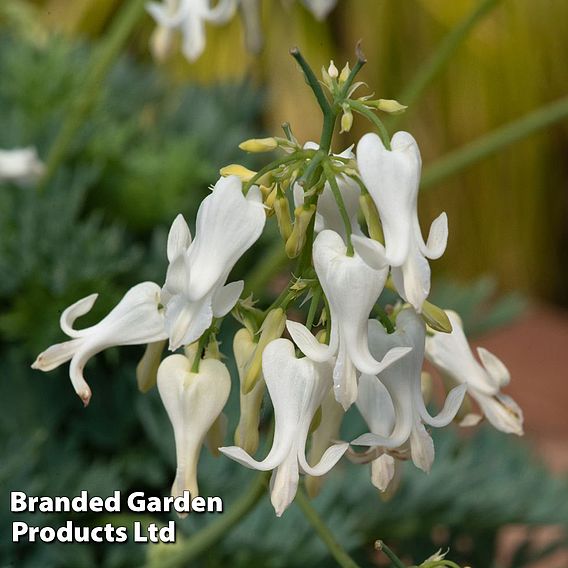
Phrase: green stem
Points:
(340, 204)
(124, 23)
(340, 555)
(272, 166)
(460, 159)
(329, 119)
(359, 107)
(361, 60)
(214, 532)
(313, 307)
(312, 80)
(397, 562)
(383, 318)
(439, 59)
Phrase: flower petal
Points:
(437, 237)
(392, 178)
(307, 343)
(382, 471)
(503, 412)
(179, 238)
(225, 298)
(421, 447)
(75, 311)
(495, 367)
(227, 225)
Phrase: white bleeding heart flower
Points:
(135, 320)
(190, 18)
(402, 381)
(193, 402)
(20, 165)
(320, 8)
(451, 353)
(392, 178)
(228, 224)
(297, 388)
(352, 288)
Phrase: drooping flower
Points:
(375, 405)
(228, 223)
(190, 18)
(20, 165)
(135, 320)
(402, 381)
(193, 402)
(320, 8)
(351, 287)
(451, 353)
(297, 388)
(392, 178)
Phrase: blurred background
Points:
(129, 142)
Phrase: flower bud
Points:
(436, 317)
(282, 211)
(193, 402)
(271, 329)
(237, 170)
(391, 106)
(259, 145)
(246, 433)
(345, 72)
(346, 119)
(147, 368)
(372, 219)
(303, 215)
(332, 70)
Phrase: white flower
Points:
(193, 402)
(402, 381)
(376, 407)
(320, 8)
(351, 287)
(327, 212)
(451, 353)
(20, 165)
(326, 433)
(228, 223)
(392, 178)
(135, 320)
(190, 18)
(297, 388)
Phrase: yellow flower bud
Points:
(147, 368)
(343, 76)
(237, 170)
(303, 215)
(271, 329)
(282, 211)
(346, 120)
(246, 433)
(436, 317)
(372, 218)
(259, 145)
(391, 106)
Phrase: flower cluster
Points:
(190, 17)
(358, 354)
